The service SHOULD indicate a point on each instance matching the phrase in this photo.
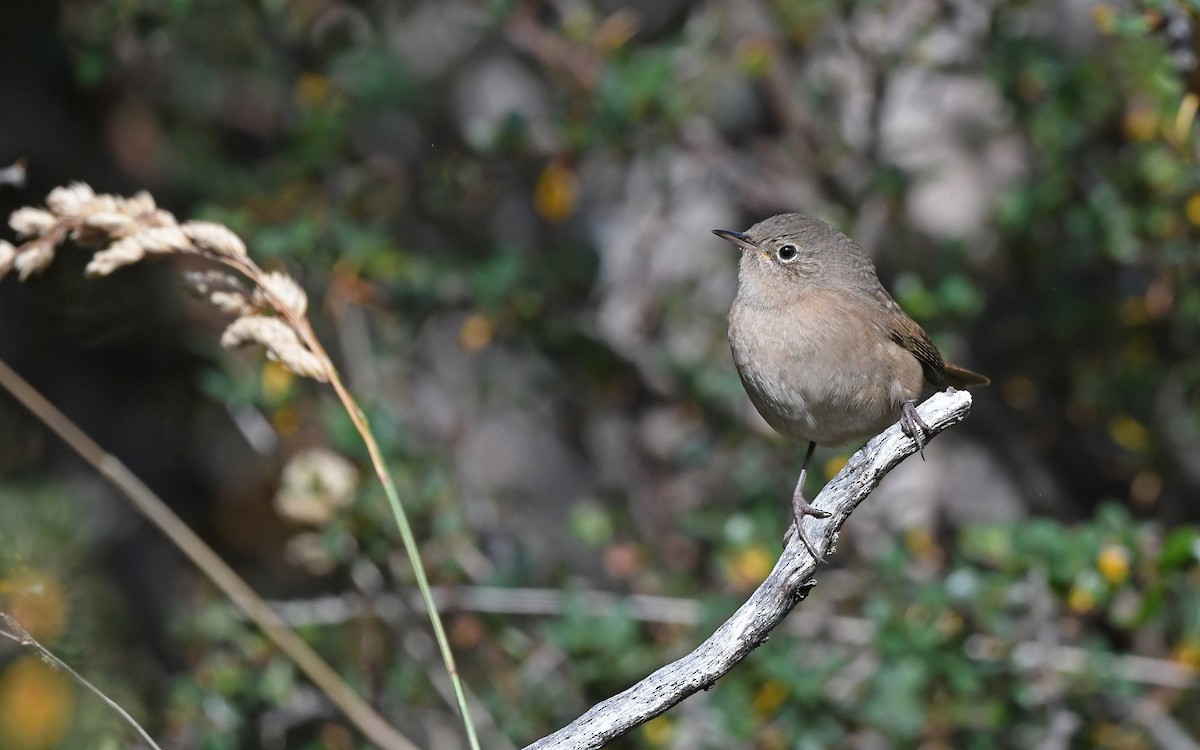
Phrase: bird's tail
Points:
(961, 377)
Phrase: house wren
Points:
(825, 353)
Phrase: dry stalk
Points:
(228, 582)
(22, 637)
(271, 311)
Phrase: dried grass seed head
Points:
(140, 205)
(163, 240)
(281, 341)
(284, 291)
(231, 303)
(33, 258)
(8, 254)
(73, 201)
(119, 254)
(215, 238)
(204, 283)
(220, 289)
(107, 224)
(32, 222)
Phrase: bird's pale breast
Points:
(818, 369)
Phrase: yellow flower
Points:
(36, 702)
(1105, 18)
(1192, 209)
(476, 333)
(835, 464)
(658, 731)
(1113, 562)
(276, 381)
(747, 568)
(1187, 653)
(312, 89)
(1081, 599)
(1141, 122)
(769, 698)
(920, 542)
(755, 57)
(556, 191)
(1128, 433)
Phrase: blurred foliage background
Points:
(502, 211)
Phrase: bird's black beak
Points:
(741, 239)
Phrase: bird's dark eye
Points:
(787, 252)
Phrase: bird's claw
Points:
(915, 427)
(800, 509)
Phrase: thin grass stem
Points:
(23, 637)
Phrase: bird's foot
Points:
(915, 427)
(800, 509)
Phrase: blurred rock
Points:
(492, 94)
(436, 35)
(498, 415)
(950, 132)
(665, 282)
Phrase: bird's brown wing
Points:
(905, 332)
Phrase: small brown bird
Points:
(823, 350)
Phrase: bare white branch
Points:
(787, 585)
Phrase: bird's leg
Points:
(802, 508)
(914, 426)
